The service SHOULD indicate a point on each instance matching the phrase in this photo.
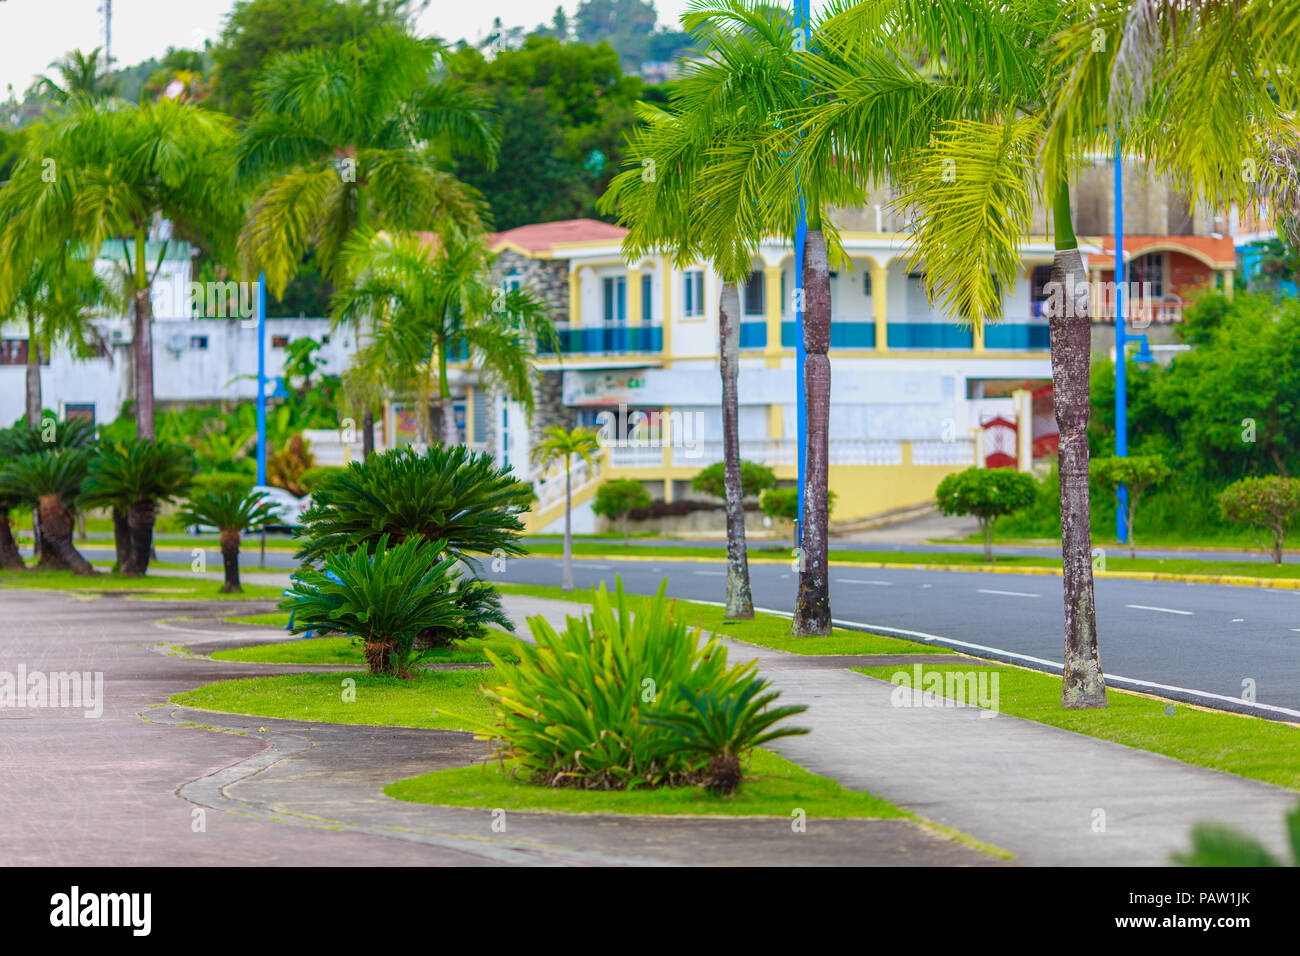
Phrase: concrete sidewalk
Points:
(1050, 796)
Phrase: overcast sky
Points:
(35, 32)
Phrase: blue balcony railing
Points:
(607, 339)
(753, 333)
(844, 335)
(1017, 335)
(929, 335)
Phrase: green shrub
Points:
(453, 495)
(1216, 845)
(783, 503)
(615, 498)
(386, 598)
(592, 706)
(312, 477)
(754, 480)
(219, 482)
(1265, 505)
(987, 494)
(1136, 473)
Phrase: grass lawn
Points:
(449, 700)
(346, 650)
(1246, 746)
(766, 630)
(159, 587)
(1115, 561)
(773, 787)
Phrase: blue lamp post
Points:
(1121, 339)
(801, 23)
(261, 379)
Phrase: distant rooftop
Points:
(1217, 252)
(541, 238)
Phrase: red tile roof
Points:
(541, 238)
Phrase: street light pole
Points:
(801, 25)
(1121, 339)
(261, 379)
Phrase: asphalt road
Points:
(1203, 643)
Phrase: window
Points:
(693, 293)
(83, 410)
(513, 282)
(13, 352)
(279, 341)
(1149, 268)
(199, 342)
(754, 294)
(647, 304)
(616, 299)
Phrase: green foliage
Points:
(783, 503)
(1268, 505)
(615, 498)
(49, 435)
(1217, 845)
(125, 472)
(987, 494)
(312, 477)
(754, 479)
(387, 596)
(585, 706)
(29, 477)
(562, 445)
(229, 511)
(452, 495)
(223, 481)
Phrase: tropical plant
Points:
(313, 476)
(80, 74)
(453, 495)
(585, 706)
(722, 728)
(1216, 845)
(783, 503)
(754, 479)
(355, 136)
(564, 445)
(385, 597)
(986, 494)
(286, 465)
(131, 478)
(231, 513)
(615, 498)
(438, 302)
(50, 482)
(1135, 474)
(1268, 506)
(101, 171)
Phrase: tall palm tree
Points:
(357, 136)
(80, 74)
(99, 174)
(559, 444)
(438, 302)
(131, 478)
(56, 296)
(231, 513)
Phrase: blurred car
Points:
(288, 508)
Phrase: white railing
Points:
(761, 451)
(958, 452)
(550, 484)
(640, 455)
(865, 451)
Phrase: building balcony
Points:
(910, 335)
(606, 338)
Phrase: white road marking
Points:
(883, 584)
(1162, 610)
(600, 567)
(1238, 620)
(719, 574)
(1007, 593)
(1115, 678)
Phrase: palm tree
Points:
(131, 478)
(103, 172)
(438, 303)
(45, 434)
(231, 513)
(55, 298)
(80, 74)
(561, 445)
(50, 481)
(355, 136)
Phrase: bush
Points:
(987, 494)
(783, 503)
(1269, 505)
(219, 482)
(1136, 474)
(312, 477)
(596, 706)
(617, 498)
(386, 598)
(754, 480)
(452, 495)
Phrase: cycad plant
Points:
(10, 557)
(564, 445)
(452, 495)
(435, 302)
(388, 595)
(1214, 844)
(131, 478)
(231, 513)
(50, 482)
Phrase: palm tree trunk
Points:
(121, 539)
(566, 578)
(367, 434)
(34, 401)
(740, 599)
(56, 530)
(140, 521)
(812, 609)
(10, 558)
(144, 425)
(230, 561)
(450, 436)
(1083, 684)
